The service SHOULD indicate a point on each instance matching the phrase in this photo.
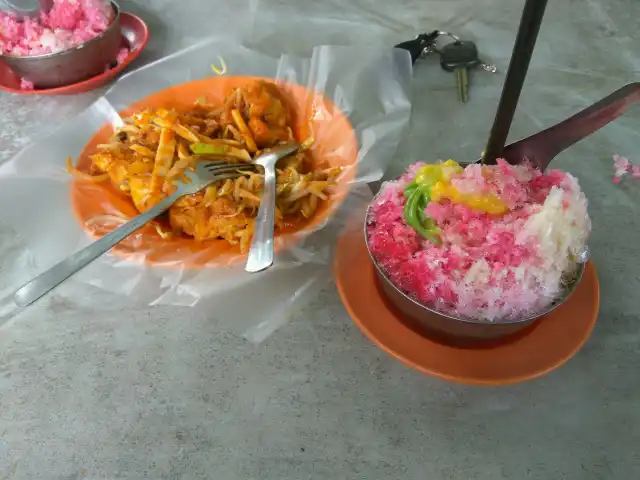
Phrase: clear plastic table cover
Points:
(90, 389)
(370, 86)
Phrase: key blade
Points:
(458, 72)
(464, 73)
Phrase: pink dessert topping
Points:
(622, 166)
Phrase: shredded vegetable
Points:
(83, 175)
(223, 67)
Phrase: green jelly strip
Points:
(417, 200)
(206, 149)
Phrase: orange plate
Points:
(135, 35)
(552, 341)
(335, 145)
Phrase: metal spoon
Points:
(261, 250)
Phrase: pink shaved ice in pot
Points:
(68, 24)
(487, 267)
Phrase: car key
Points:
(459, 57)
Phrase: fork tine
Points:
(213, 162)
(210, 167)
(226, 176)
(217, 168)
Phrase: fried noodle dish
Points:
(154, 148)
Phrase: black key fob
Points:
(461, 54)
(416, 46)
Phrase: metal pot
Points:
(450, 329)
(74, 65)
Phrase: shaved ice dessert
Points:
(68, 24)
(485, 242)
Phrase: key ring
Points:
(431, 46)
(434, 48)
(420, 46)
(447, 34)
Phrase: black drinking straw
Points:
(518, 66)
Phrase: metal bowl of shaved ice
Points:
(70, 65)
(429, 319)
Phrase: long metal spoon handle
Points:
(554, 140)
(261, 251)
(57, 274)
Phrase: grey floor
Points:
(170, 393)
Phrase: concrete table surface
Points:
(166, 393)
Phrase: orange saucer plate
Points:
(551, 342)
(135, 35)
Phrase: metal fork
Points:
(204, 175)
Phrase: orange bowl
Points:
(313, 114)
